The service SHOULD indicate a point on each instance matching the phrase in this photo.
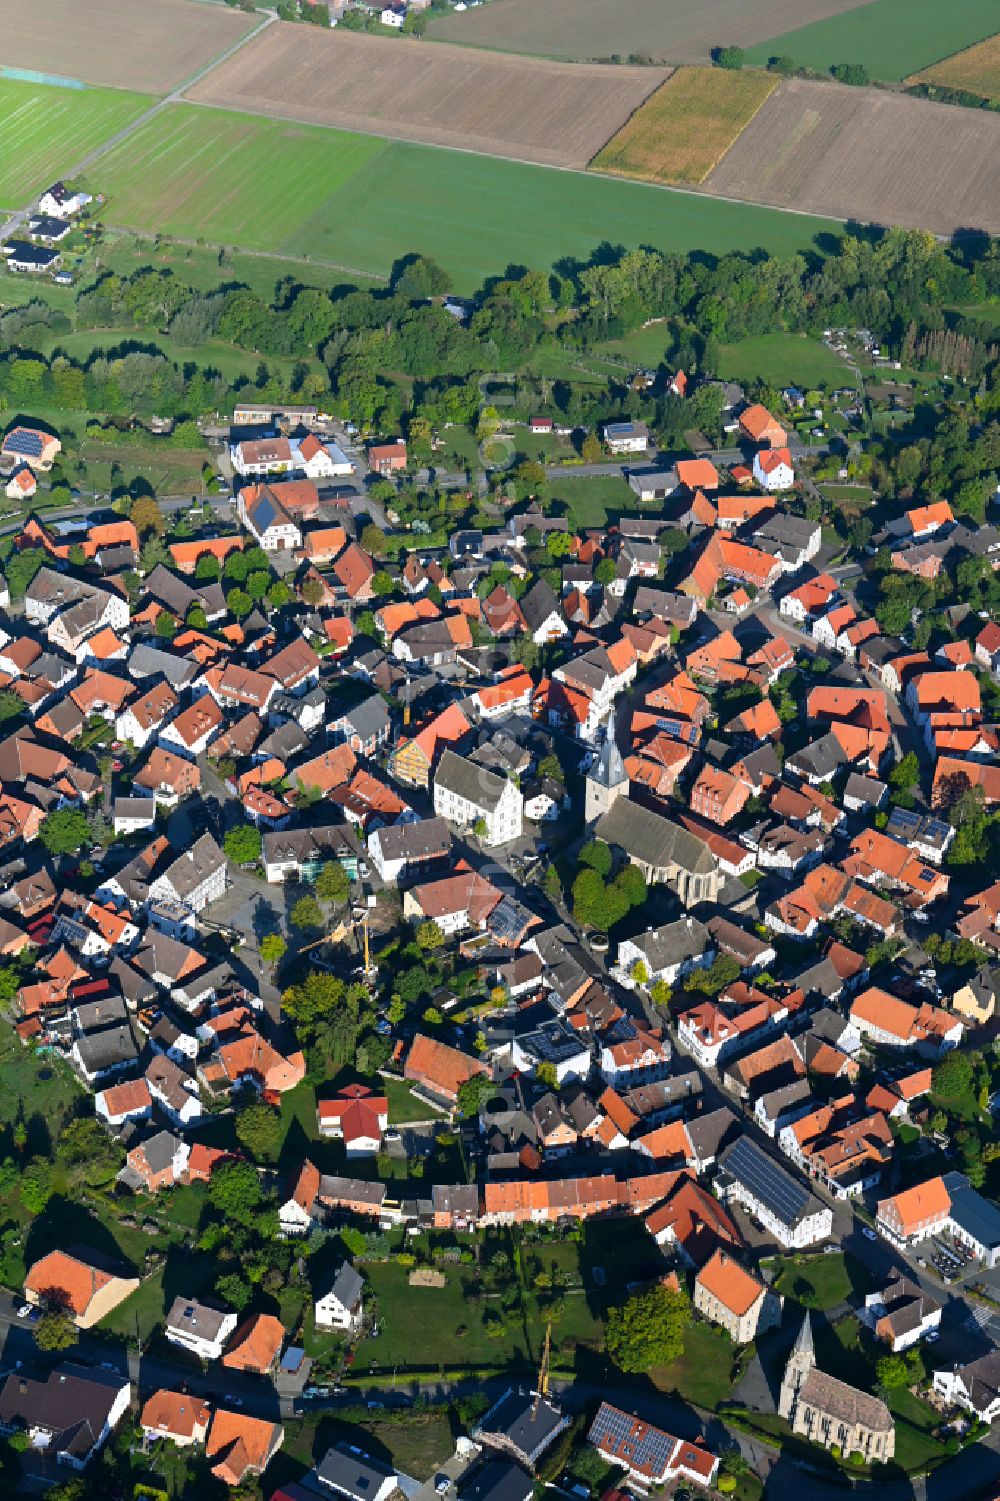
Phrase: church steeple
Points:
(804, 1342)
(800, 1362)
(607, 779)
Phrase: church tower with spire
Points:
(607, 779)
(800, 1362)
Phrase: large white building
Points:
(464, 793)
(778, 1202)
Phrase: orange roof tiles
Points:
(918, 1205)
(176, 1414)
(255, 1345)
(443, 1068)
(697, 474)
(238, 1444)
(74, 1280)
(730, 1283)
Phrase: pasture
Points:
(673, 31)
(46, 131)
(869, 155)
(355, 202)
(977, 70)
(683, 130)
(892, 38)
(152, 48)
(528, 109)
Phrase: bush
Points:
(728, 57)
(852, 73)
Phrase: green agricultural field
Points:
(46, 131)
(359, 203)
(229, 178)
(892, 38)
(782, 360)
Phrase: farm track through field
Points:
(555, 114)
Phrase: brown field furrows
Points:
(126, 44)
(869, 155)
(677, 31)
(555, 113)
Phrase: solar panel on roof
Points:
(23, 440)
(904, 818)
(766, 1180)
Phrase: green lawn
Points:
(831, 1279)
(892, 38)
(46, 131)
(590, 498)
(358, 202)
(646, 346)
(702, 1374)
(418, 1441)
(782, 360)
(420, 1326)
(140, 1314)
(915, 1421)
(43, 1088)
(404, 1105)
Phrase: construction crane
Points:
(359, 919)
(543, 1371)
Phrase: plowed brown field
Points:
(870, 155)
(127, 44)
(555, 113)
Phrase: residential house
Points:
(68, 1414)
(902, 1313)
(779, 1202)
(357, 1116)
(650, 1456)
(80, 1281)
(625, 437)
(773, 469)
(176, 1416)
(202, 1328)
(341, 1306)
(255, 1345)
(439, 1069)
(240, 1446)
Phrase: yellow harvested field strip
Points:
(977, 70)
(557, 114)
(686, 127)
